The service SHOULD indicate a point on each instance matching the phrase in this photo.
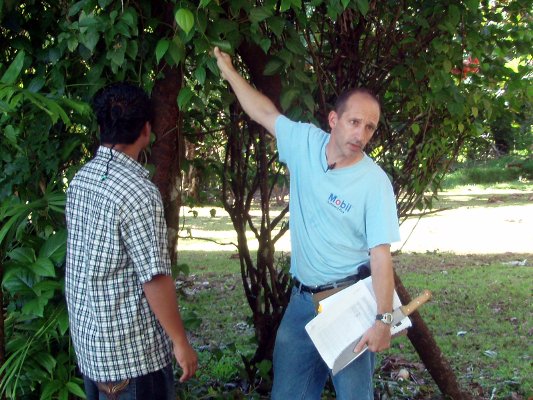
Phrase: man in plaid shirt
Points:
(124, 318)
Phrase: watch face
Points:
(386, 318)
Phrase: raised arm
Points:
(259, 107)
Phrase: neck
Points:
(338, 160)
(128, 149)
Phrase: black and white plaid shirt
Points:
(116, 242)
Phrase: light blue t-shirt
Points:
(336, 215)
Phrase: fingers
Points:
(188, 373)
(361, 345)
(187, 360)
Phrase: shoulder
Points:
(286, 127)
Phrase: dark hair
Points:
(340, 104)
(121, 110)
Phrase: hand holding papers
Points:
(345, 317)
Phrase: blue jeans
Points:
(299, 371)
(158, 385)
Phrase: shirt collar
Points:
(123, 159)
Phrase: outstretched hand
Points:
(224, 62)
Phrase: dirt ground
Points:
(477, 228)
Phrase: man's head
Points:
(122, 110)
(340, 104)
(352, 123)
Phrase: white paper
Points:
(344, 318)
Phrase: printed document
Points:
(343, 319)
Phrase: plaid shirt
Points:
(116, 243)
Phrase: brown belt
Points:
(112, 390)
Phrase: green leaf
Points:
(200, 75)
(161, 49)
(36, 84)
(447, 65)
(90, 39)
(46, 361)
(176, 50)
(285, 5)
(287, 97)
(184, 97)
(265, 44)
(72, 43)
(475, 112)
(259, 14)
(13, 71)
(185, 19)
(454, 15)
(472, 5)
(274, 66)
(34, 307)
(75, 389)
(133, 49)
(223, 45)
(295, 46)
(11, 134)
(62, 321)
(55, 247)
(24, 255)
(415, 128)
(44, 267)
(49, 389)
(277, 25)
(362, 6)
(130, 17)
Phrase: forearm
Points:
(161, 295)
(382, 277)
(258, 106)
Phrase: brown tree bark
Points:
(167, 149)
(429, 352)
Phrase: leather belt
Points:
(362, 273)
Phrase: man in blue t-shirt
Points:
(343, 217)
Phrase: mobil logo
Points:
(340, 204)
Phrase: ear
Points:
(332, 119)
(146, 131)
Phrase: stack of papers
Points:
(344, 318)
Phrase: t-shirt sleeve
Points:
(287, 137)
(145, 236)
(381, 215)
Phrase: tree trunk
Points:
(429, 352)
(167, 150)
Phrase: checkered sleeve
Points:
(144, 232)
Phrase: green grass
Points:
(480, 315)
(481, 320)
(511, 172)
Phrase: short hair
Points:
(121, 111)
(340, 104)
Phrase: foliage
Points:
(37, 154)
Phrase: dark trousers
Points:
(158, 385)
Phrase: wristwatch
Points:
(386, 318)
